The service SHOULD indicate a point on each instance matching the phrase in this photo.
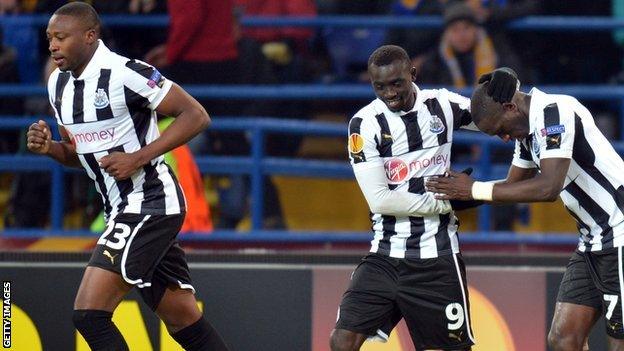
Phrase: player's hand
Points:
(120, 165)
(460, 205)
(503, 84)
(455, 186)
(39, 138)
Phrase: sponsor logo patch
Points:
(356, 143)
(396, 170)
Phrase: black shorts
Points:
(430, 294)
(594, 279)
(144, 250)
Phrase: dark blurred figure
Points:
(9, 139)
(202, 48)
(416, 41)
(494, 15)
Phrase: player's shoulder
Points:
(440, 94)
(52, 79)
(367, 113)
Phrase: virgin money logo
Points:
(396, 170)
(93, 137)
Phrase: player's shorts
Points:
(430, 294)
(594, 279)
(143, 249)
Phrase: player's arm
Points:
(39, 141)
(516, 174)
(545, 186)
(371, 176)
(380, 199)
(190, 119)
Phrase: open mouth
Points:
(58, 60)
(394, 103)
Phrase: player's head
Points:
(391, 74)
(503, 120)
(73, 31)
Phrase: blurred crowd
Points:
(206, 44)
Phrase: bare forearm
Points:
(185, 126)
(537, 189)
(65, 153)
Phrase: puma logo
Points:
(112, 257)
(457, 336)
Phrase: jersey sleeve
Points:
(362, 144)
(556, 137)
(460, 106)
(522, 156)
(52, 95)
(147, 82)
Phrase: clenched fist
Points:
(39, 138)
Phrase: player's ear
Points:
(509, 106)
(413, 73)
(92, 36)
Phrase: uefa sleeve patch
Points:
(356, 143)
(552, 130)
(156, 79)
(356, 148)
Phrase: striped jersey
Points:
(593, 193)
(411, 146)
(110, 107)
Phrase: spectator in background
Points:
(465, 52)
(202, 48)
(494, 16)
(201, 45)
(285, 47)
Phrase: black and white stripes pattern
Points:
(420, 140)
(594, 186)
(110, 108)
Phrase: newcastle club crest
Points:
(101, 99)
(435, 125)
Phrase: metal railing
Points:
(258, 165)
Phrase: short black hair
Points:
(482, 106)
(83, 11)
(386, 54)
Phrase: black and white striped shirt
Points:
(408, 147)
(110, 107)
(593, 193)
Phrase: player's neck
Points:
(523, 101)
(78, 71)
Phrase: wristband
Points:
(482, 191)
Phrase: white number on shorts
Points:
(122, 231)
(455, 314)
(613, 299)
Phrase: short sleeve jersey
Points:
(561, 127)
(109, 108)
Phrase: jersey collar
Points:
(93, 67)
(536, 108)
